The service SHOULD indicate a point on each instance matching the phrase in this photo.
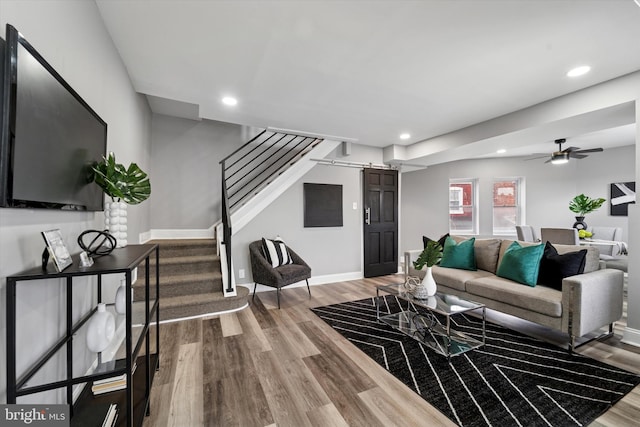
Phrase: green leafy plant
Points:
(430, 256)
(130, 185)
(583, 205)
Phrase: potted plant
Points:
(430, 256)
(124, 186)
(582, 205)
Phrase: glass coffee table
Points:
(427, 328)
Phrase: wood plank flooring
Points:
(268, 367)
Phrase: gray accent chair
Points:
(265, 274)
(613, 256)
(526, 233)
(562, 236)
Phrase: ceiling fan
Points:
(562, 156)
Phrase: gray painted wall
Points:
(328, 250)
(549, 188)
(186, 170)
(71, 36)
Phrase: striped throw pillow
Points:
(276, 252)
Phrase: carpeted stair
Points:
(190, 280)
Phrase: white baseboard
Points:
(314, 281)
(631, 336)
(153, 234)
(145, 237)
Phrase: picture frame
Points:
(322, 205)
(622, 194)
(57, 249)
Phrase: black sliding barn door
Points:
(380, 222)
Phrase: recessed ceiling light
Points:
(405, 136)
(578, 71)
(228, 100)
(501, 151)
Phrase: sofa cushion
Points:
(521, 263)
(540, 299)
(554, 266)
(459, 255)
(455, 278)
(486, 253)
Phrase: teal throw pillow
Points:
(459, 255)
(521, 263)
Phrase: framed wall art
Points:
(622, 194)
(322, 205)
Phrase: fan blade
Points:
(591, 150)
(541, 156)
(575, 155)
(570, 149)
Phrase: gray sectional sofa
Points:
(587, 302)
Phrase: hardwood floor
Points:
(266, 367)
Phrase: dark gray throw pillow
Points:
(555, 267)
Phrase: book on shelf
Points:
(110, 380)
(106, 385)
(111, 417)
(104, 415)
(105, 388)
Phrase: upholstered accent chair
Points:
(611, 234)
(276, 277)
(614, 255)
(562, 236)
(526, 233)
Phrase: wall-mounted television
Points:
(50, 137)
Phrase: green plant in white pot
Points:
(581, 205)
(430, 256)
(124, 186)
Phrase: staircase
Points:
(190, 280)
(274, 160)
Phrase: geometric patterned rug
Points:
(513, 380)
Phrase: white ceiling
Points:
(370, 70)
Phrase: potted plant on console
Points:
(430, 256)
(582, 205)
(124, 186)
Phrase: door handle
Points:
(367, 218)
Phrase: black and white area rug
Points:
(513, 380)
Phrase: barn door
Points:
(380, 222)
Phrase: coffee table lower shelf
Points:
(432, 334)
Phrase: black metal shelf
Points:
(133, 402)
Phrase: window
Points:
(463, 218)
(507, 205)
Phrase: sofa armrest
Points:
(409, 258)
(591, 301)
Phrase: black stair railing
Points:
(250, 168)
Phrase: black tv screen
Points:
(50, 136)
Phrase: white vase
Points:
(121, 301)
(115, 222)
(101, 329)
(427, 288)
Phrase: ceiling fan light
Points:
(559, 158)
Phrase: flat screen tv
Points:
(50, 137)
